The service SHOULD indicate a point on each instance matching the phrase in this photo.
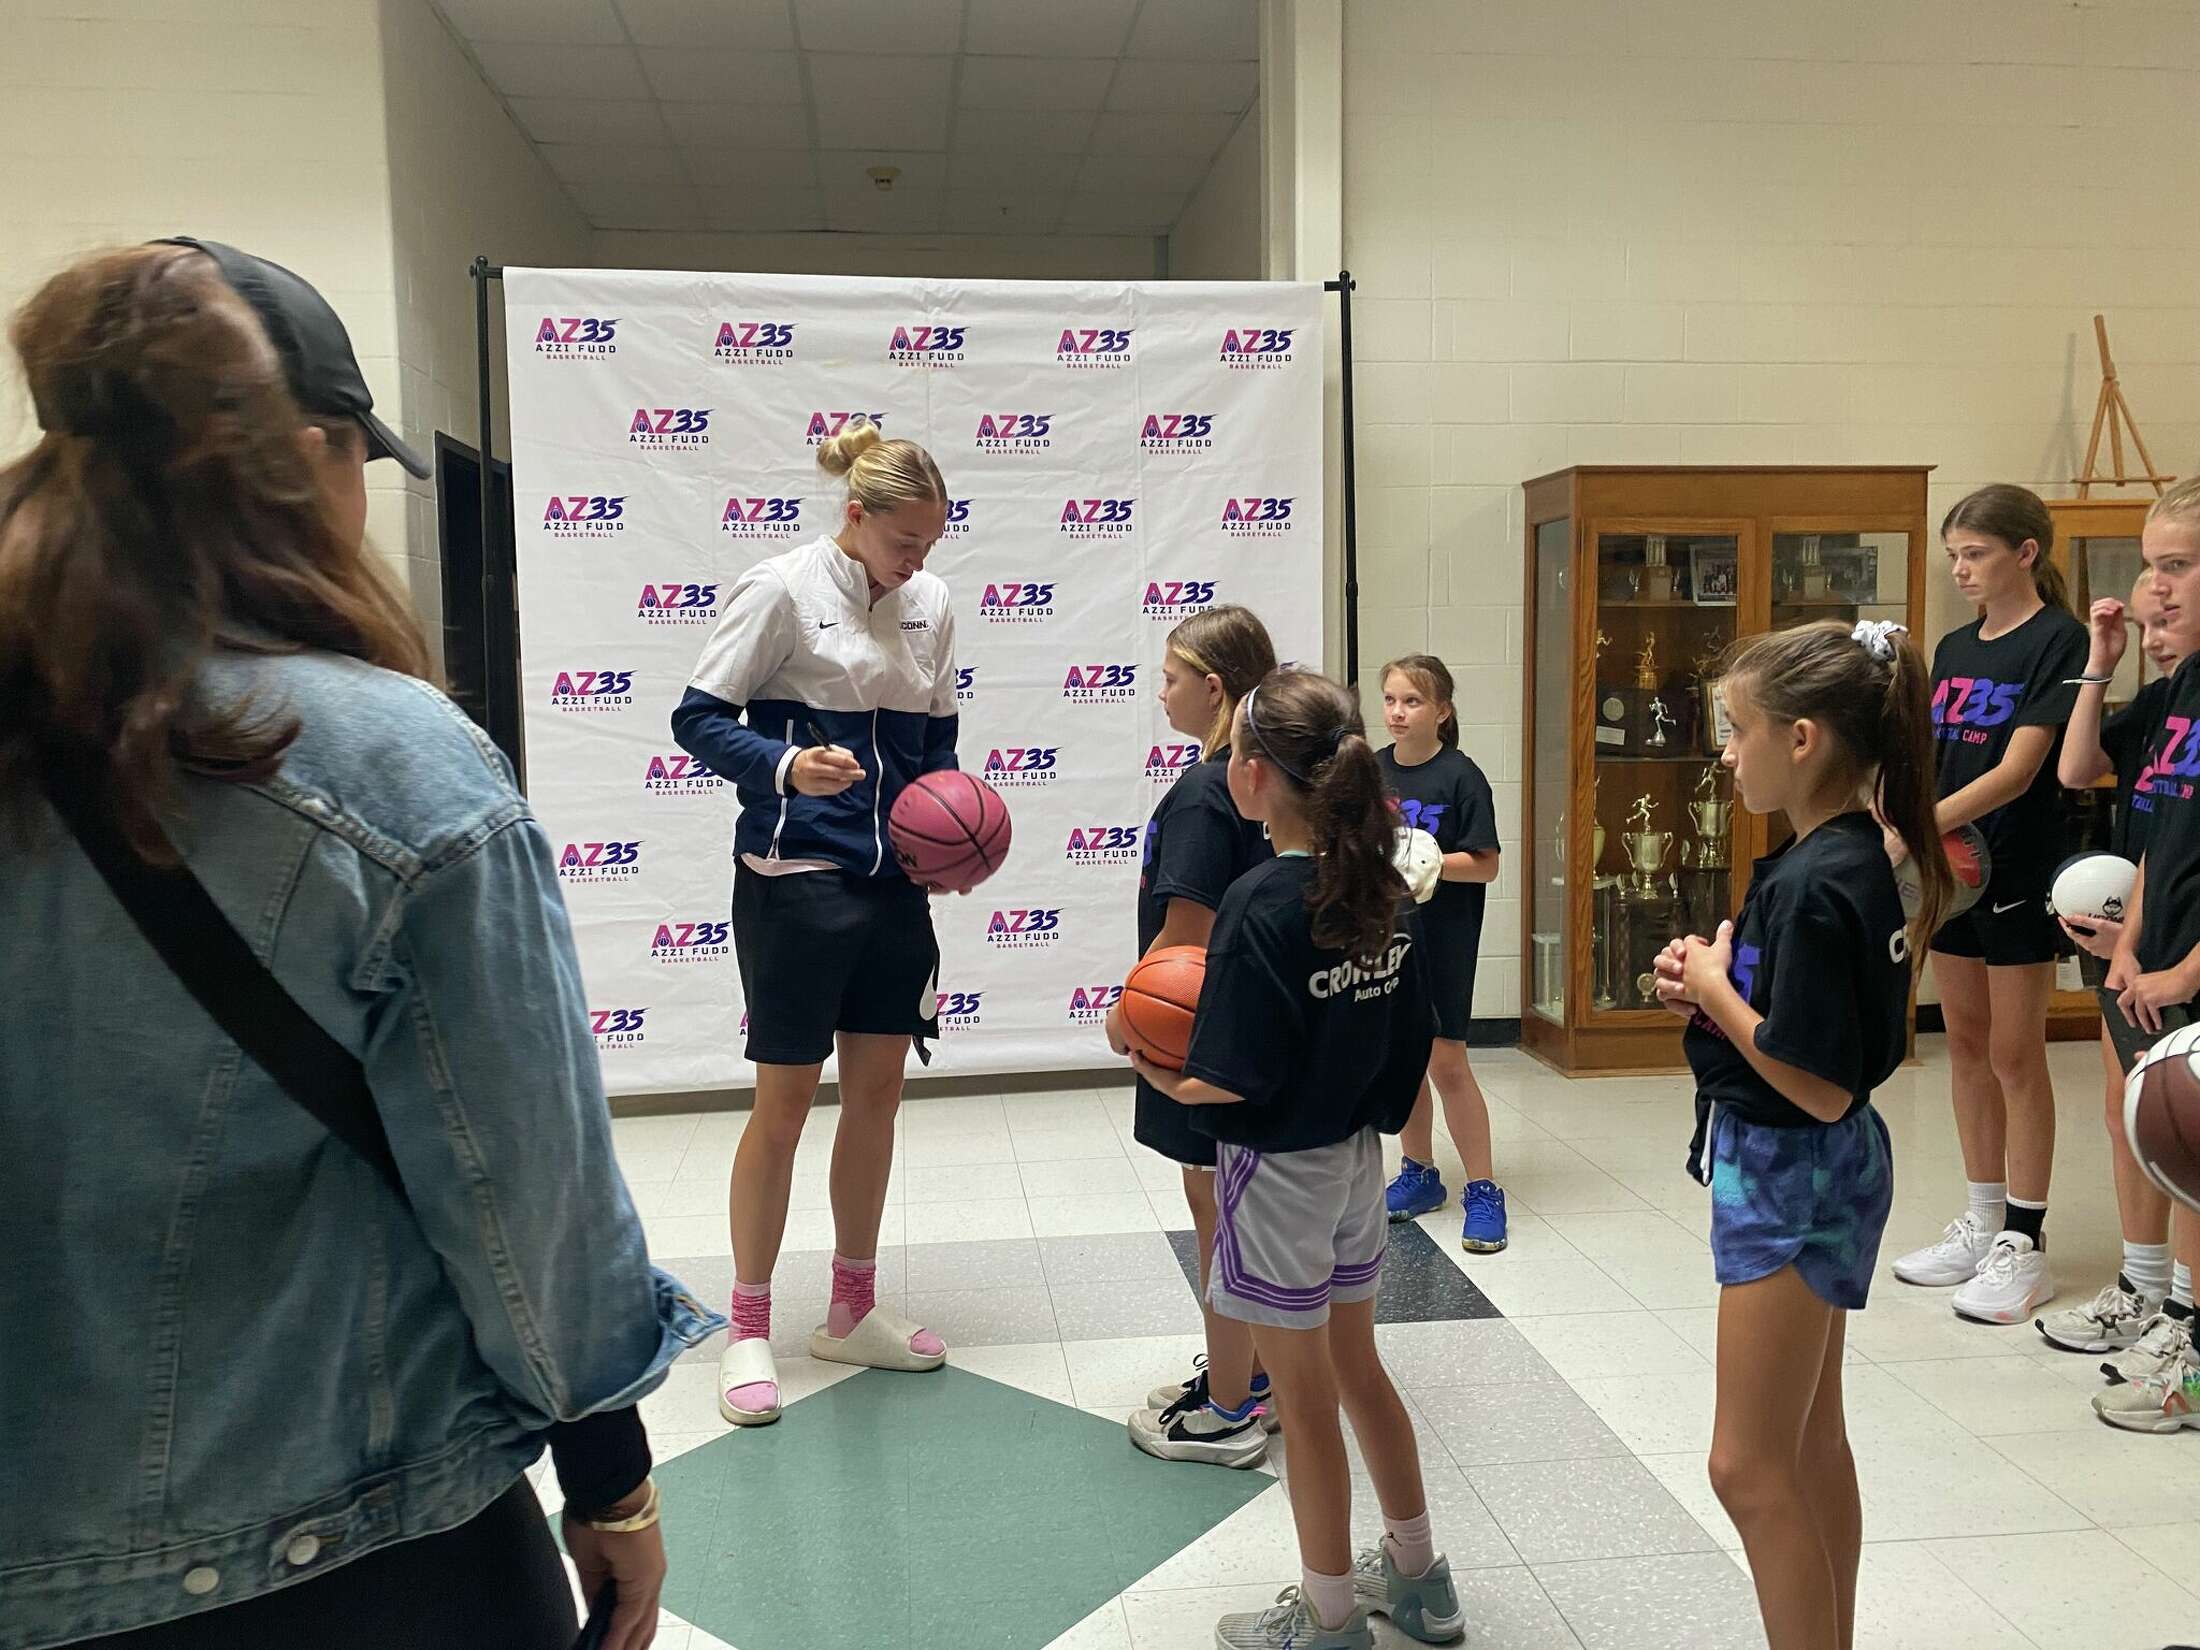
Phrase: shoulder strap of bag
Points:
(181, 922)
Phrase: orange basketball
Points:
(1158, 1001)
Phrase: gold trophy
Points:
(1648, 848)
(1646, 665)
(1713, 816)
(1657, 572)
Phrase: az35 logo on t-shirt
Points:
(1962, 705)
(1422, 816)
(1744, 970)
(2170, 773)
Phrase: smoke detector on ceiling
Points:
(882, 177)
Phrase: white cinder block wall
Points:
(1740, 232)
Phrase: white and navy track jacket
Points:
(803, 647)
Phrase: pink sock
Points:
(1330, 1596)
(1412, 1545)
(855, 1292)
(752, 1321)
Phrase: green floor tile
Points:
(924, 1511)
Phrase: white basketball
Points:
(1419, 861)
(2096, 886)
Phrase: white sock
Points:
(2146, 1268)
(2180, 1284)
(1330, 1596)
(1989, 1204)
(1412, 1544)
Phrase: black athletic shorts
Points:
(827, 951)
(2004, 929)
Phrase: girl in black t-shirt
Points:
(1436, 787)
(1310, 1039)
(1197, 845)
(2002, 691)
(2097, 747)
(1797, 1011)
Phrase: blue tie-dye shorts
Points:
(1814, 1197)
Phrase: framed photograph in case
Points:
(1713, 576)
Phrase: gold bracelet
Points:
(626, 1526)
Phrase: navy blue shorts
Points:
(1814, 1198)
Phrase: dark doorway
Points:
(480, 638)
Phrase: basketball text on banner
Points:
(1118, 455)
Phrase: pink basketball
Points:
(949, 829)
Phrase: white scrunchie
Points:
(1876, 636)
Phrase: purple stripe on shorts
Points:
(1348, 1276)
(1236, 1176)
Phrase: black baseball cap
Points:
(316, 350)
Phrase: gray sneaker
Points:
(1290, 1625)
(1425, 1607)
(2163, 1342)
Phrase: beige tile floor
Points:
(1564, 1444)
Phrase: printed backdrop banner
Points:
(1119, 455)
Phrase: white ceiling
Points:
(1003, 116)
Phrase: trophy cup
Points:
(1650, 912)
(1657, 572)
(1706, 859)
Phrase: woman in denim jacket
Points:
(250, 1394)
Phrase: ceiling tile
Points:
(741, 124)
(867, 209)
(1017, 28)
(544, 22)
(1016, 171)
(919, 169)
(915, 26)
(1035, 83)
(1022, 131)
(765, 170)
(983, 212)
(1161, 132)
(1140, 174)
(1197, 29)
(887, 102)
(586, 165)
(1224, 87)
(748, 25)
(1122, 214)
(695, 74)
(626, 206)
(767, 211)
(567, 120)
(522, 69)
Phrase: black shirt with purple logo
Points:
(2164, 797)
(2127, 740)
(1982, 693)
(1821, 951)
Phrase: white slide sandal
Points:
(880, 1341)
(744, 1363)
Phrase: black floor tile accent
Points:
(1420, 1284)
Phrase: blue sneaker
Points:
(1484, 1231)
(1417, 1190)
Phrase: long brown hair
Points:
(1229, 643)
(1309, 728)
(1880, 712)
(1432, 681)
(2013, 514)
(170, 508)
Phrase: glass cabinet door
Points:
(2110, 567)
(1549, 950)
(1666, 604)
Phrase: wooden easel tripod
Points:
(2114, 411)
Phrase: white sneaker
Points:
(1954, 1259)
(2012, 1280)
(2109, 1322)
(2163, 1342)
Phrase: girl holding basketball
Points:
(1436, 787)
(2001, 694)
(1197, 844)
(828, 686)
(1797, 1011)
(1310, 1041)
(2096, 747)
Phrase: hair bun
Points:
(838, 455)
